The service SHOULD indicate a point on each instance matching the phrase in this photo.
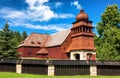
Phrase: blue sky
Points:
(49, 16)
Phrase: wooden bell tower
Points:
(82, 38)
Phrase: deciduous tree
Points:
(108, 43)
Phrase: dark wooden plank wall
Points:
(35, 69)
(7, 67)
(110, 70)
(72, 70)
(65, 67)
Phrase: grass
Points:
(15, 75)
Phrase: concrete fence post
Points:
(93, 70)
(18, 68)
(51, 69)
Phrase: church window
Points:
(91, 30)
(77, 56)
(32, 42)
(39, 43)
(83, 29)
(79, 29)
(75, 30)
(89, 56)
(87, 29)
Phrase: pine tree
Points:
(24, 35)
(7, 44)
(17, 37)
(108, 47)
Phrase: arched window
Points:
(89, 56)
(77, 56)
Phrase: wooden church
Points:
(76, 43)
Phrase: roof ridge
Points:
(24, 41)
(28, 38)
(60, 31)
(39, 33)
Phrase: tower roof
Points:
(82, 16)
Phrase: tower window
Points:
(74, 31)
(87, 30)
(83, 29)
(79, 29)
(90, 30)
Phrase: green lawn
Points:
(15, 75)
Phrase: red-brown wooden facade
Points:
(79, 38)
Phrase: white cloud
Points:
(42, 12)
(65, 15)
(55, 27)
(36, 11)
(75, 3)
(58, 4)
(10, 13)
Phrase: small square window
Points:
(32, 42)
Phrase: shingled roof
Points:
(57, 38)
(42, 51)
(35, 39)
(44, 40)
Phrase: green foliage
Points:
(9, 40)
(108, 42)
(7, 48)
(24, 35)
(17, 38)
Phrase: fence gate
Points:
(7, 67)
(72, 70)
(35, 69)
(108, 70)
